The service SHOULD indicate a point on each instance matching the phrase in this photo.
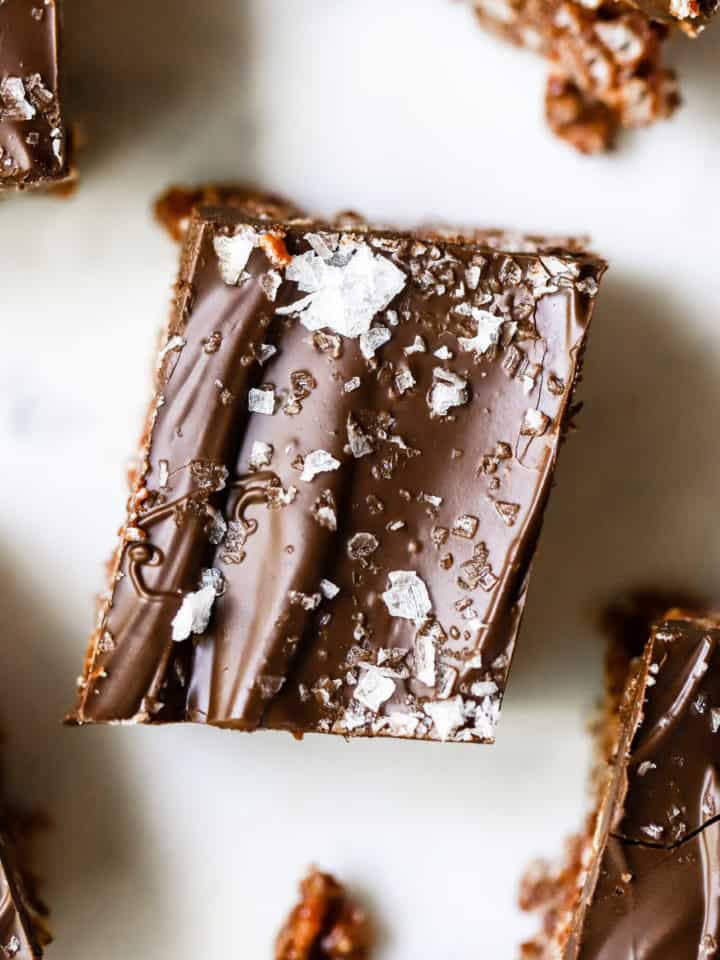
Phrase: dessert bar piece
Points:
(643, 881)
(343, 477)
(23, 932)
(606, 64)
(33, 143)
(325, 925)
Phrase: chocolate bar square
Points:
(643, 880)
(33, 140)
(342, 480)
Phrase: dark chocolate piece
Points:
(325, 925)
(343, 479)
(23, 932)
(606, 59)
(645, 881)
(33, 141)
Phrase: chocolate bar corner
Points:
(643, 879)
(23, 930)
(33, 136)
(345, 468)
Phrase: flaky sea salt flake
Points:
(15, 105)
(534, 423)
(343, 297)
(261, 400)
(715, 719)
(233, 254)
(372, 340)
(373, 689)
(417, 346)
(329, 589)
(486, 335)
(447, 716)
(318, 461)
(404, 380)
(261, 454)
(424, 652)
(448, 390)
(194, 613)
(407, 597)
(264, 352)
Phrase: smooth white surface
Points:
(188, 843)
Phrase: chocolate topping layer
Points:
(33, 146)
(649, 878)
(344, 474)
(19, 937)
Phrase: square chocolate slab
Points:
(33, 141)
(643, 881)
(343, 478)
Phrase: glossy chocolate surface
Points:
(33, 146)
(658, 876)
(17, 935)
(354, 559)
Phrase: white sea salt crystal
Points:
(483, 688)
(351, 385)
(445, 683)
(442, 353)
(373, 689)
(534, 423)
(194, 613)
(487, 714)
(329, 589)
(261, 400)
(715, 719)
(424, 651)
(487, 334)
(343, 297)
(320, 244)
(264, 352)
(174, 343)
(407, 596)
(12, 947)
(360, 443)
(472, 277)
(362, 545)
(233, 254)
(261, 454)
(653, 830)
(371, 341)
(417, 346)
(353, 718)
(402, 724)
(448, 390)
(15, 105)
(270, 283)
(318, 461)
(447, 716)
(404, 380)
